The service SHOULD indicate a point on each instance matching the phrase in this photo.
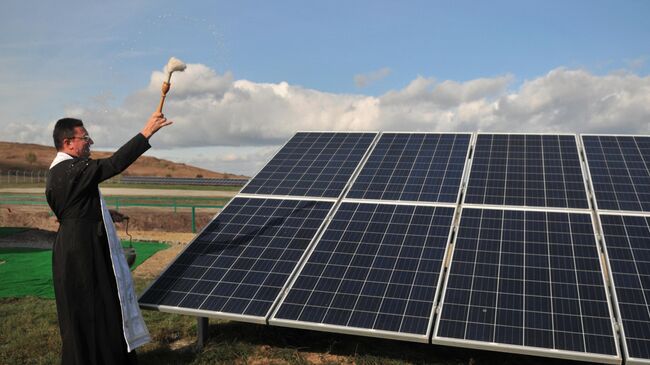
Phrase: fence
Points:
(120, 201)
(22, 176)
(182, 181)
(39, 176)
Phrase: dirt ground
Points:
(144, 224)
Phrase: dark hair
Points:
(63, 129)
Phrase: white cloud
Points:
(251, 119)
(363, 80)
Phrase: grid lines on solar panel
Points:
(242, 259)
(527, 278)
(375, 267)
(312, 164)
(620, 171)
(526, 170)
(627, 239)
(413, 167)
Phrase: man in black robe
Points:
(87, 302)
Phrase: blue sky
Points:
(259, 71)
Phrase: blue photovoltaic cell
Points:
(242, 259)
(627, 239)
(527, 278)
(312, 164)
(620, 171)
(526, 170)
(413, 167)
(376, 267)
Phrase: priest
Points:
(99, 318)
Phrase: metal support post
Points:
(202, 331)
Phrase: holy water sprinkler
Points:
(173, 65)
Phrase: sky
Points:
(259, 71)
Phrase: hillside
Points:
(32, 157)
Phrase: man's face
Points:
(79, 145)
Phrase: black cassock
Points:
(87, 302)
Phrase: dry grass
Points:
(29, 335)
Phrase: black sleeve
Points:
(96, 171)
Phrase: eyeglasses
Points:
(85, 138)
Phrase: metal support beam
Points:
(202, 331)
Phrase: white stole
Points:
(135, 330)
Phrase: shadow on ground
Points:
(235, 342)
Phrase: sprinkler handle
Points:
(165, 89)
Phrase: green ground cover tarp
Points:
(28, 272)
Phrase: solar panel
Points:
(414, 167)
(312, 164)
(627, 240)
(238, 264)
(526, 170)
(619, 167)
(374, 272)
(528, 282)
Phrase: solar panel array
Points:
(480, 240)
(376, 267)
(238, 264)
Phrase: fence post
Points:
(193, 219)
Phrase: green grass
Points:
(29, 335)
(28, 271)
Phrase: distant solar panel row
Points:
(181, 181)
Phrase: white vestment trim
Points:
(60, 157)
(134, 329)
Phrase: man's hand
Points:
(155, 122)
